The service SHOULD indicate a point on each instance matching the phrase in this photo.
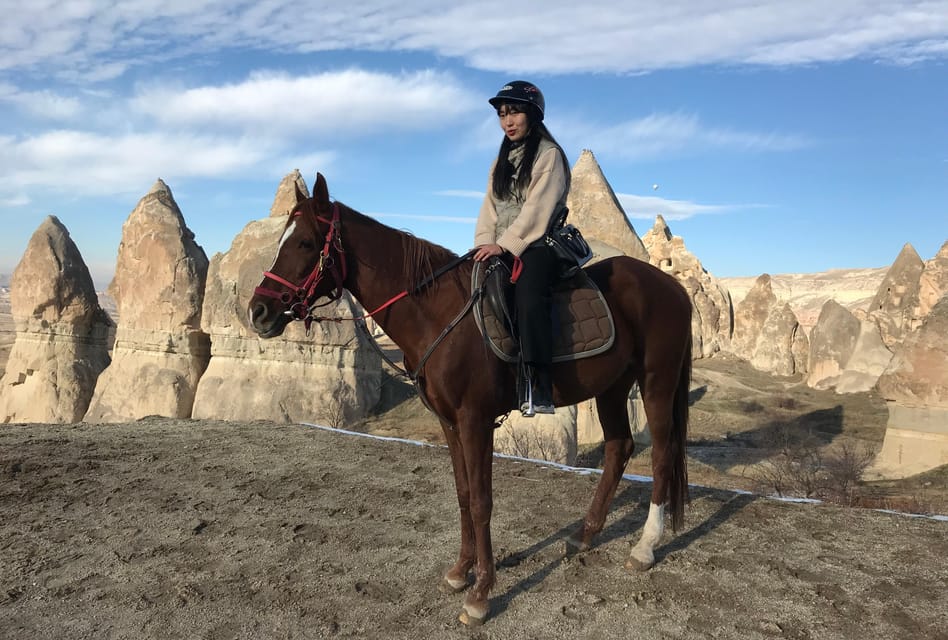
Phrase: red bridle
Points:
(301, 298)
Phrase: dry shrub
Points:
(341, 407)
(529, 442)
(801, 468)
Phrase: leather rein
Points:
(301, 298)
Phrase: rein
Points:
(360, 320)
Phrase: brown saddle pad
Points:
(582, 327)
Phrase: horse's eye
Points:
(307, 244)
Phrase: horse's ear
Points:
(321, 192)
(300, 196)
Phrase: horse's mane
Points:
(420, 258)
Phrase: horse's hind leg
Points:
(657, 397)
(612, 407)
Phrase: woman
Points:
(527, 189)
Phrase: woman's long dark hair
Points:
(503, 183)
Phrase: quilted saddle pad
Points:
(582, 322)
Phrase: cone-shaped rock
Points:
(897, 297)
(285, 198)
(61, 342)
(712, 320)
(160, 351)
(594, 208)
(916, 387)
(767, 333)
(846, 353)
(331, 377)
(932, 285)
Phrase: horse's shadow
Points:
(806, 431)
(634, 501)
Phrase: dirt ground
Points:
(200, 529)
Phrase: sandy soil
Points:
(186, 529)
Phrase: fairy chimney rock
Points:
(897, 297)
(160, 351)
(932, 285)
(285, 198)
(915, 386)
(832, 341)
(918, 373)
(331, 376)
(61, 343)
(767, 333)
(712, 319)
(847, 352)
(595, 209)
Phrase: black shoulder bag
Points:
(571, 249)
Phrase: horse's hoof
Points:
(574, 546)
(451, 586)
(473, 616)
(634, 564)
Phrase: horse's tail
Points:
(677, 457)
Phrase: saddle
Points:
(582, 322)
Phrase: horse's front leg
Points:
(478, 447)
(457, 577)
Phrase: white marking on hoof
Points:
(642, 556)
(473, 616)
(640, 560)
(453, 585)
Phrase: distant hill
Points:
(807, 292)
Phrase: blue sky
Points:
(783, 136)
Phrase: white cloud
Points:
(15, 200)
(461, 193)
(93, 163)
(668, 133)
(647, 207)
(41, 104)
(564, 36)
(350, 103)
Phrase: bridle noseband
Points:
(301, 298)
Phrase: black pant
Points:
(533, 299)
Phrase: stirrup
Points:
(528, 409)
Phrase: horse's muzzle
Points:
(264, 322)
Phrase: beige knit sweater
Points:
(545, 195)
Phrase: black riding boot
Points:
(541, 392)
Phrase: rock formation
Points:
(831, 344)
(589, 429)
(285, 199)
(332, 376)
(61, 343)
(712, 321)
(915, 386)
(767, 333)
(806, 293)
(846, 353)
(932, 286)
(542, 437)
(160, 351)
(594, 208)
(895, 302)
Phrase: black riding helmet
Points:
(519, 91)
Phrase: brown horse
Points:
(327, 247)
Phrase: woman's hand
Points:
(486, 251)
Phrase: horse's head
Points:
(309, 265)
